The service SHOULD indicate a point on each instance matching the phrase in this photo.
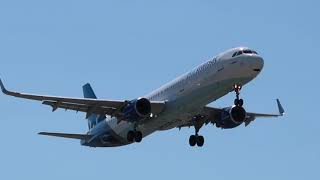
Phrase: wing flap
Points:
(80, 107)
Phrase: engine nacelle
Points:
(237, 114)
(231, 117)
(137, 109)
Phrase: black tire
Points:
(138, 136)
(130, 136)
(236, 102)
(241, 102)
(218, 125)
(192, 140)
(200, 141)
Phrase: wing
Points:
(251, 116)
(280, 109)
(211, 114)
(98, 106)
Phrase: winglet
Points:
(281, 110)
(3, 89)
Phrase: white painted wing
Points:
(99, 106)
(211, 114)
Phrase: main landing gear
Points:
(197, 139)
(237, 101)
(134, 136)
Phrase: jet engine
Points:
(137, 109)
(231, 117)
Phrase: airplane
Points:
(183, 102)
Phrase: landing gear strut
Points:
(196, 139)
(237, 101)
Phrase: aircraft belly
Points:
(183, 108)
(178, 111)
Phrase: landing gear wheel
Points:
(200, 141)
(193, 140)
(138, 136)
(240, 102)
(134, 136)
(130, 136)
(196, 140)
(236, 102)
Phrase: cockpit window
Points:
(246, 51)
(234, 54)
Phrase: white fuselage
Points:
(186, 95)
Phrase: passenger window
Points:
(234, 54)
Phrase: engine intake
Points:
(137, 109)
(231, 117)
(143, 107)
(237, 114)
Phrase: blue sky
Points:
(126, 49)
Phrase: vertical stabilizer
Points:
(89, 93)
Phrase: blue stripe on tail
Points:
(89, 93)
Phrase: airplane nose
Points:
(257, 63)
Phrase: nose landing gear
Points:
(237, 88)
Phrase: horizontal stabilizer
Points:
(64, 135)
